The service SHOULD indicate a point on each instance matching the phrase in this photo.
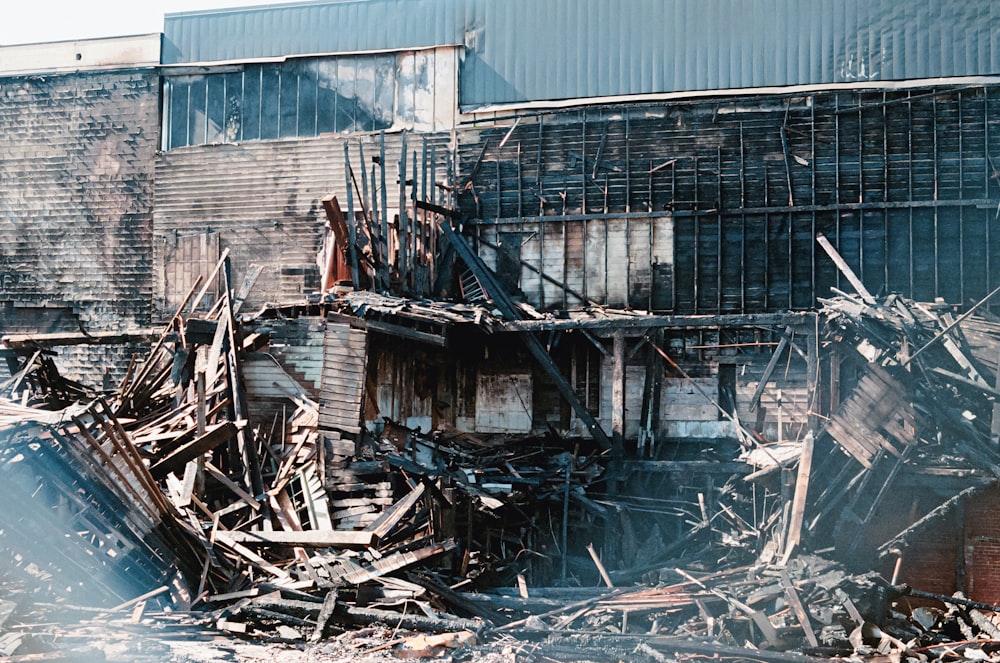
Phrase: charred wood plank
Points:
(466, 603)
(510, 311)
(304, 539)
(845, 269)
(213, 437)
(438, 209)
(644, 322)
(686, 466)
(799, 501)
(769, 369)
(250, 556)
(441, 624)
(800, 612)
(391, 516)
(28, 342)
(325, 613)
(437, 340)
(396, 561)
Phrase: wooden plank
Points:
(396, 561)
(618, 388)
(340, 426)
(769, 369)
(860, 453)
(345, 377)
(799, 498)
(213, 437)
(219, 476)
(339, 341)
(305, 539)
(845, 269)
(335, 416)
(391, 516)
(436, 340)
(341, 393)
(344, 380)
(348, 502)
(227, 539)
(846, 433)
(337, 413)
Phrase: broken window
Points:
(296, 98)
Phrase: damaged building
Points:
(553, 294)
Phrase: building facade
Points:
(643, 181)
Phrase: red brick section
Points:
(932, 563)
(982, 546)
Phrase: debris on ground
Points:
(146, 521)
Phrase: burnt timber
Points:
(339, 338)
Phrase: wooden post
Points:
(834, 380)
(995, 423)
(618, 388)
(387, 275)
(812, 374)
(403, 230)
(352, 223)
(801, 490)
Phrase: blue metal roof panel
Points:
(535, 50)
(323, 26)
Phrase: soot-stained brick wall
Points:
(76, 189)
(77, 155)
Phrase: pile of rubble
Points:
(164, 499)
(163, 504)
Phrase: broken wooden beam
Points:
(441, 624)
(845, 269)
(303, 539)
(391, 516)
(176, 460)
(510, 311)
(32, 341)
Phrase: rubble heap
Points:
(173, 504)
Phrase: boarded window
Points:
(503, 403)
(186, 258)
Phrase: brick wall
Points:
(982, 546)
(76, 177)
(958, 552)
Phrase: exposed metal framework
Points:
(903, 183)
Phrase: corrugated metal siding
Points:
(594, 48)
(311, 27)
(531, 50)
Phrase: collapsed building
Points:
(617, 275)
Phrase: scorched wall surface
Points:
(76, 191)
